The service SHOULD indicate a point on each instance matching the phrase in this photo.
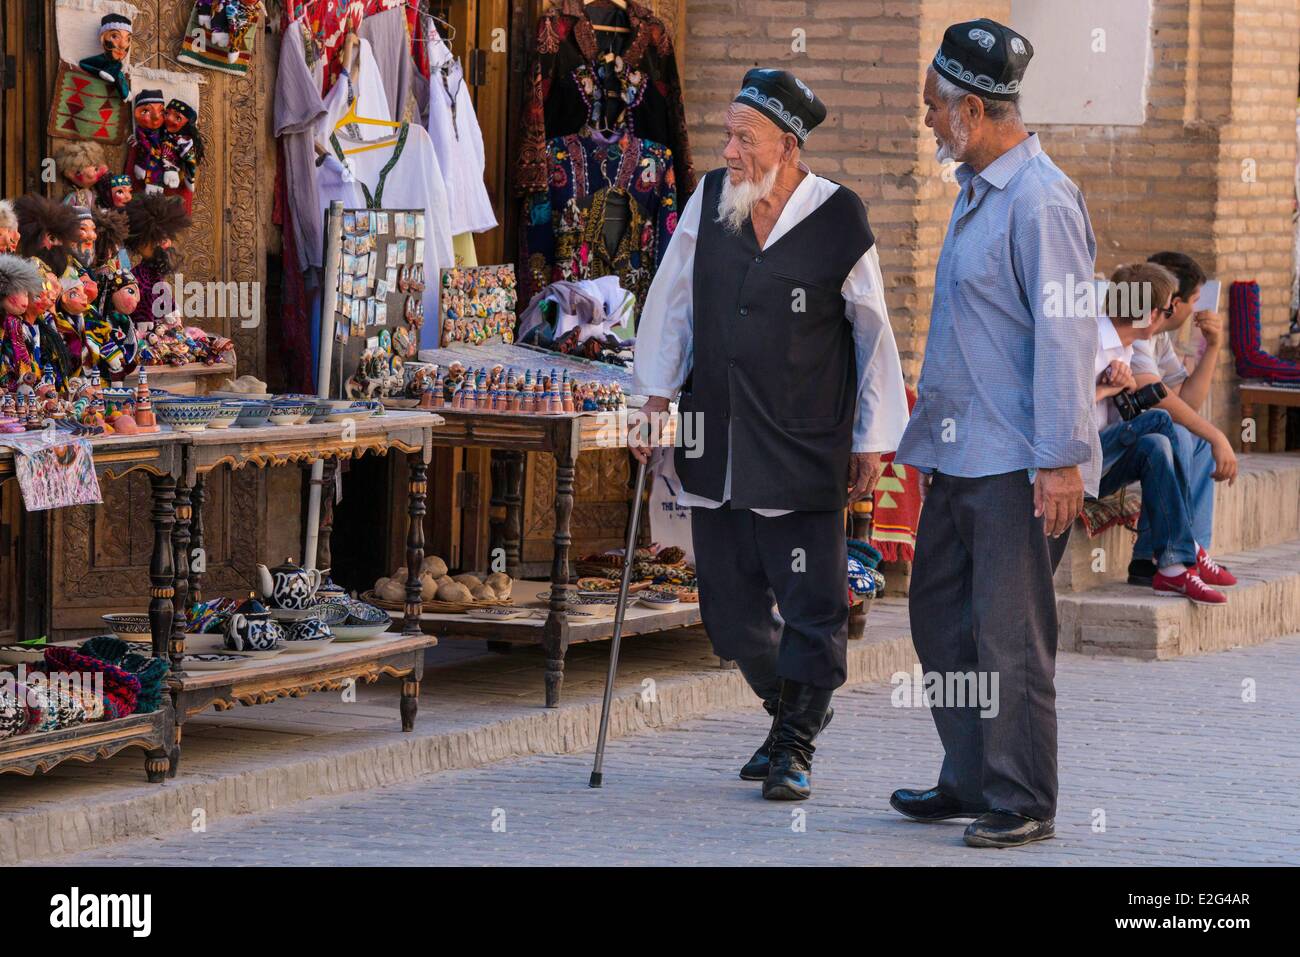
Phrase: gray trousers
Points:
(745, 562)
(981, 602)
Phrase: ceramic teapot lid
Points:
(288, 567)
(251, 606)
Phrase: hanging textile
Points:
(458, 140)
(574, 80)
(567, 236)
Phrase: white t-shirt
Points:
(1109, 348)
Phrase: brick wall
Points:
(1222, 91)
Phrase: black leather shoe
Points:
(801, 714)
(932, 805)
(756, 768)
(1005, 829)
(1141, 571)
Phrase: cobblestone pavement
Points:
(1183, 769)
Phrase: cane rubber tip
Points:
(595, 781)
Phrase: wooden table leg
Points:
(512, 532)
(324, 556)
(197, 568)
(162, 585)
(156, 765)
(181, 569)
(418, 491)
(555, 633)
(410, 703)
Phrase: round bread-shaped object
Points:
(484, 593)
(469, 581)
(433, 565)
(428, 587)
(454, 592)
(393, 591)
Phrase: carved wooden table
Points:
(293, 675)
(566, 436)
(160, 456)
(1270, 429)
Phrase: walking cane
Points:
(620, 610)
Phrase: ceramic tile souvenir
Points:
(477, 304)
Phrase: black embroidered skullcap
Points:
(114, 21)
(183, 108)
(148, 96)
(985, 57)
(784, 99)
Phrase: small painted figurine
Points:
(82, 164)
(48, 230)
(114, 191)
(20, 283)
(182, 150)
(110, 66)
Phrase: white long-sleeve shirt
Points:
(664, 346)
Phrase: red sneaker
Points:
(1211, 572)
(1187, 585)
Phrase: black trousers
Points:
(981, 602)
(745, 562)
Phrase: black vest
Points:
(774, 359)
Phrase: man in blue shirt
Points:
(1004, 424)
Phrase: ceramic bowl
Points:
(326, 409)
(306, 405)
(285, 413)
(227, 413)
(186, 413)
(118, 400)
(331, 613)
(253, 414)
(127, 626)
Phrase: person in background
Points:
(1145, 448)
(1205, 450)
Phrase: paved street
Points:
(1184, 771)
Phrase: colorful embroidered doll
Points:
(119, 353)
(144, 153)
(110, 255)
(82, 164)
(228, 23)
(47, 230)
(114, 192)
(20, 282)
(182, 150)
(110, 66)
(155, 222)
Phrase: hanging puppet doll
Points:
(48, 230)
(144, 151)
(110, 66)
(20, 283)
(82, 164)
(110, 256)
(182, 150)
(114, 191)
(114, 340)
(154, 223)
(228, 23)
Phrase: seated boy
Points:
(1145, 448)
(1201, 443)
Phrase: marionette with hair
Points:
(115, 332)
(110, 66)
(82, 164)
(144, 151)
(154, 223)
(111, 228)
(48, 230)
(8, 228)
(20, 283)
(182, 150)
(114, 191)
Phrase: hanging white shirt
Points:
(367, 89)
(456, 136)
(664, 350)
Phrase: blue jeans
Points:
(1197, 460)
(1146, 449)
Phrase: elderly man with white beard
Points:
(768, 314)
(1004, 424)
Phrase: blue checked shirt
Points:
(1007, 382)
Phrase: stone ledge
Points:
(1121, 619)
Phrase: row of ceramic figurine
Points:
(83, 411)
(501, 389)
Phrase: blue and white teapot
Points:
(288, 586)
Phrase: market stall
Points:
(336, 664)
(26, 752)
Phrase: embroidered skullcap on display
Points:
(984, 57)
(183, 108)
(148, 96)
(114, 21)
(784, 99)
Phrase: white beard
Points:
(738, 202)
(954, 151)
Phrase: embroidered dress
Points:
(566, 236)
(576, 79)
